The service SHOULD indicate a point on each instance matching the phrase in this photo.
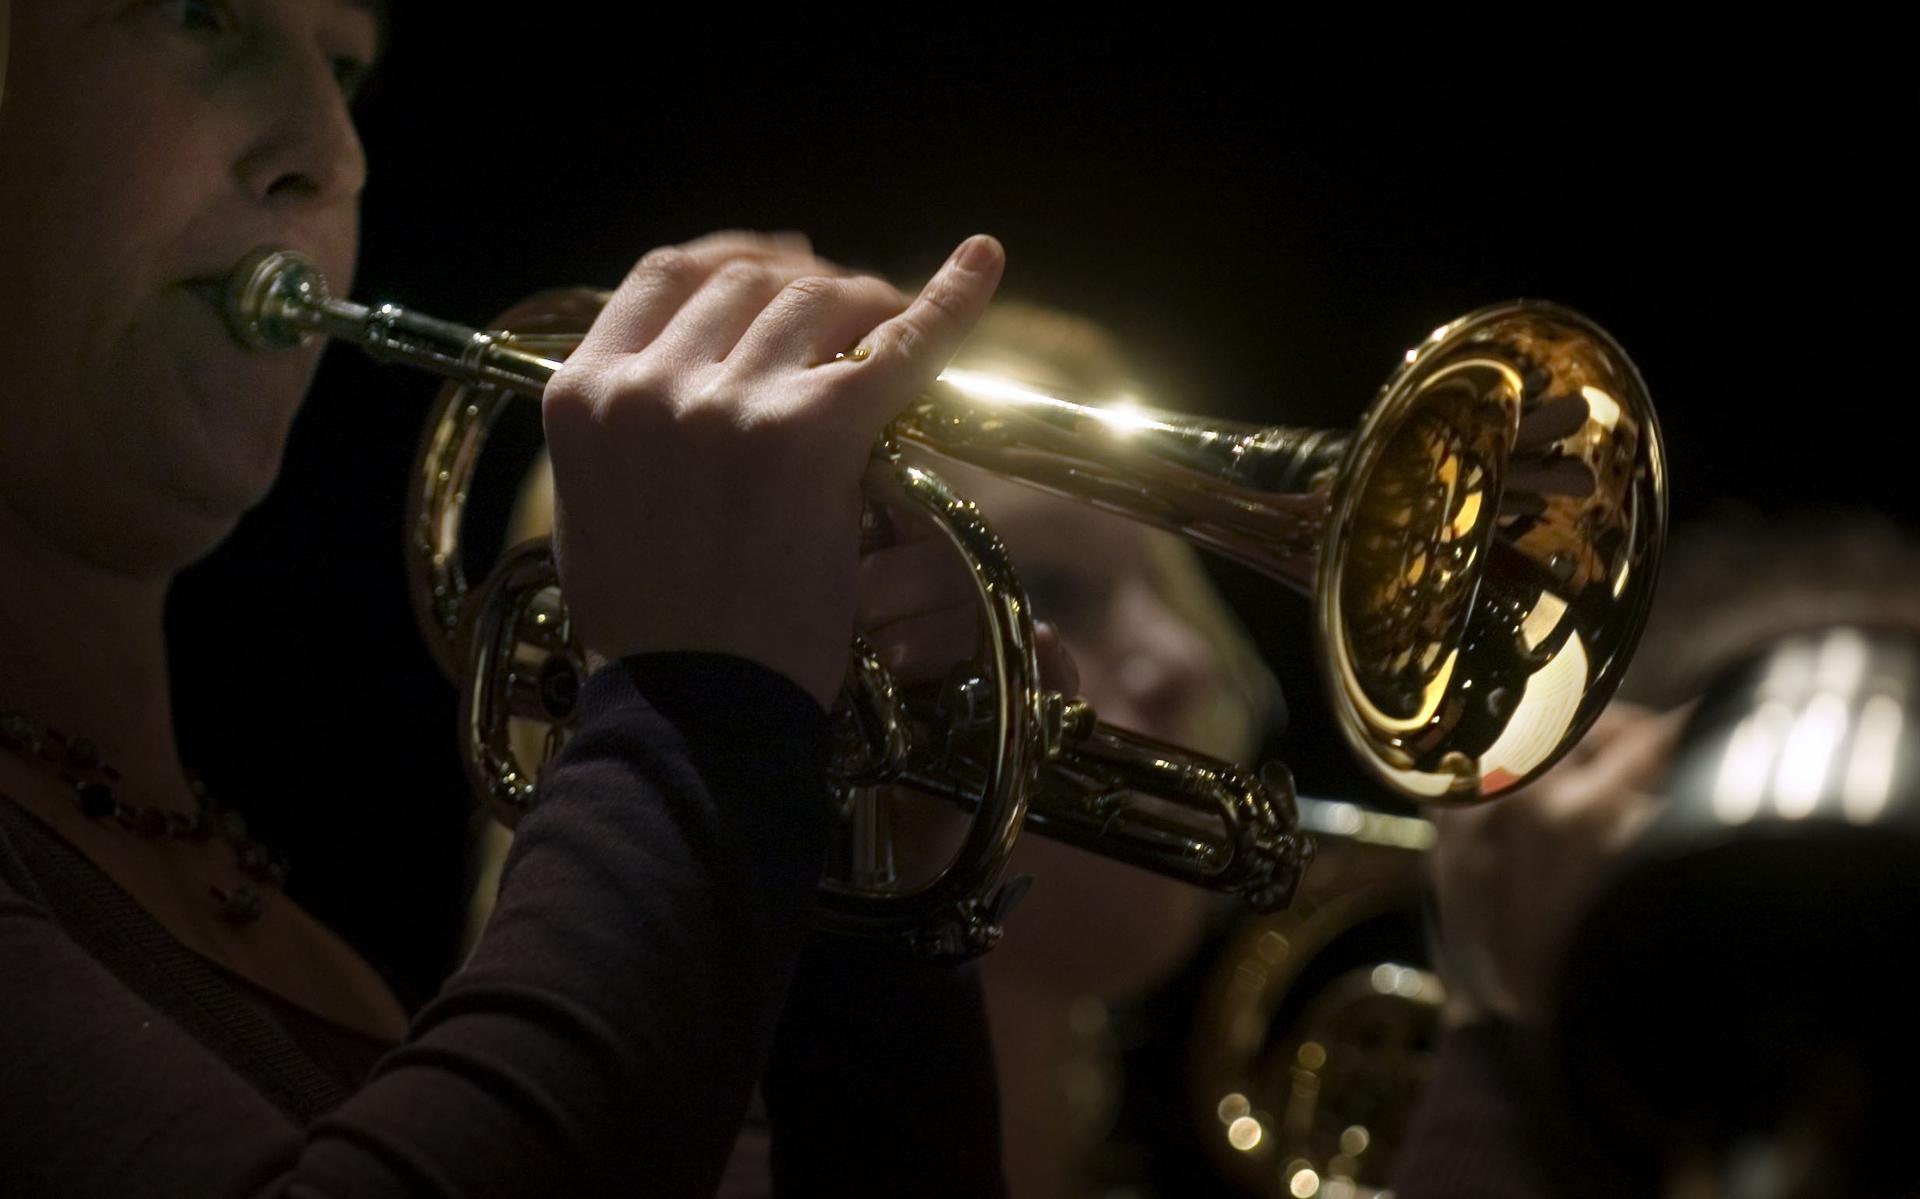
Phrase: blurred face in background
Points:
(1157, 654)
(145, 146)
(1116, 591)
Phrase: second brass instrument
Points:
(1480, 552)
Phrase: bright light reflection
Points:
(1789, 672)
(1876, 747)
(1340, 1188)
(991, 387)
(1407, 832)
(1385, 978)
(1547, 706)
(1273, 947)
(1748, 761)
(1129, 417)
(1419, 782)
(1303, 1184)
(980, 385)
(1543, 620)
(1468, 517)
(1602, 408)
(1344, 819)
(1842, 662)
(1817, 732)
(1436, 690)
(1244, 1134)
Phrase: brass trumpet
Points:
(1480, 552)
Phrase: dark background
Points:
(1266, 216)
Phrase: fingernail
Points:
(976, 253)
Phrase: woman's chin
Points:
(195, 498)
(228, 488)
(226, 453)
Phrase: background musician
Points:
(1514, 880)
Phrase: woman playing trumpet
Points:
(170, 1022)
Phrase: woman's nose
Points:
(306, 151)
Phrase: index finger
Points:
(904, 354)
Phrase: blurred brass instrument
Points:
(1315, 1028)
(1480, 552)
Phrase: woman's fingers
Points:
(814, 318)
(907, 578)
(665, 279)
(1058, 671)
(921, 648)
(709, 469)
(771, 310)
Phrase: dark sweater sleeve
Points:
(603, 1039)
(881, 1081)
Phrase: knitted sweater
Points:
(604, 1038)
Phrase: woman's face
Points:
(1142, 663)
(145, 146)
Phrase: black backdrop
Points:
(1267, 216)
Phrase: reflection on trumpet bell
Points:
(1559, 530)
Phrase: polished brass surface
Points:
(1481, 549)
(1480, 552)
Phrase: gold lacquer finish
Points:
(1480, 552)
(1491, 551)
(1481, 549)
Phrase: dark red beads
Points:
(78, 762)
(96, 799)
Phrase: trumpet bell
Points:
(1490, 551)
(1480, 549)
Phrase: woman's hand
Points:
(1511, 877)
(708, 449)
(920, 610)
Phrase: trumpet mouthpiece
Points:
(266, 293)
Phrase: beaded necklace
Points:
(76, 761)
